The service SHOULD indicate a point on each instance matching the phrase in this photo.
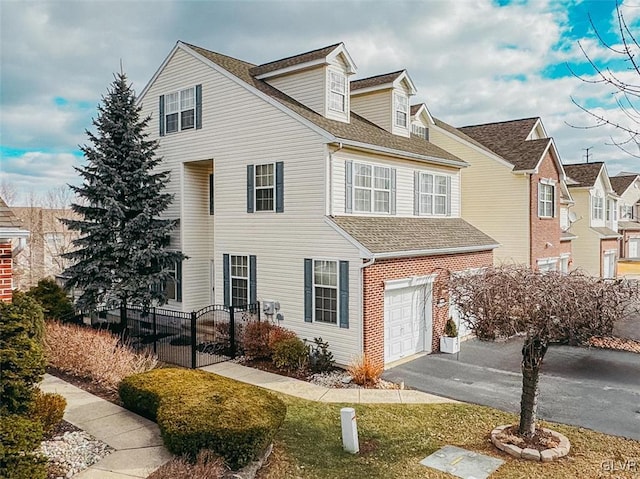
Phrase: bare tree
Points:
(546, 308)
(625, 92)
(8, 192)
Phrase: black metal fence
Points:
(192, 340)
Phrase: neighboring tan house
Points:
(595, 250)
(515, 188)
(49, 239)
(627, 187)
(13, 238)
(295, 185)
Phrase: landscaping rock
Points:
(512, 450)
(531, 454)
(548, 455)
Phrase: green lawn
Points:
(394, 438)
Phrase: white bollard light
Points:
(349, 430)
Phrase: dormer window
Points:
(401, 110)
(421, 131)
(337, 92)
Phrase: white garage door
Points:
(634, 247)
(407, 318)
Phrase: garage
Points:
(634, 248)
(407, 318)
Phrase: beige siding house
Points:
(627, 187)
(287, 195)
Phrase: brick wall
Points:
(375, 275)
(544, 231)
(5, 272)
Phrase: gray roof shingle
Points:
(375, 80)
(584, 174)
(7, 218)
(358, 129)
(620, 183)
(398, 235)
(606, 232)
(293, 60)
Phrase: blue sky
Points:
(473, 61)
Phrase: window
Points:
(325, 291)
(546, 200)
(626, 212)
(239, 280)
(612, 211)
(434, 194)
(371, 188)
(172, 286)
(597, 207)
(265, 187)
(421, 131)
(179, 110)
(401, 108)
(337, 92)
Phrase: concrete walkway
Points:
(136, 440)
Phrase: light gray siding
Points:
(376, 107)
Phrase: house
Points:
(627, 187)
(300, 188)
(515, 189)
(13, 238)
(595, 250)
(49, 239)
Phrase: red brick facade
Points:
(375, 275)
(5, 272)
(545, 232)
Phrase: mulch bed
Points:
(540, 441)
(59, 430)
(620, 344)
(86, 384)
(268, 366)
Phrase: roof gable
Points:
(584, 174)
(421, 111)
(383, 82)
(621, 183)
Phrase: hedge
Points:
(196, 410)
(19, 438)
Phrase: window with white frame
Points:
(179, 110)
(626, 212)
(434, 194)
(371, 188)
(401, 109)
(265, 186)
(325, 291)
(546, 200)
(612, 211)
(170, 285)
(597, 206)
(239, 266)
(337, 92)
(421, 131)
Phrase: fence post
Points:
(155, 331)
(193, 340)
(123, 317)
(232, 331)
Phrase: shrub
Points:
(22, 362)
(277, 334)
(320, 358)
(94, 354)
(364, 371)
(450, 329)
(207, 466)
(290, 354)
(19, 439)
(53, 299)
(48, 408)
(196, 410)
(255, 340)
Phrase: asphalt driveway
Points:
(593, 388)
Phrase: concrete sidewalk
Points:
(136, 440)
(313, 392)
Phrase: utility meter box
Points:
(270, 306)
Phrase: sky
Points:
(473, 61)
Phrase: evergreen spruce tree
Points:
(121, 256)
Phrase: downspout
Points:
(364, 265)
(22, 244)
(329, 203)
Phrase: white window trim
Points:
(547, 262)
(597, 205)
(400, 100)
(433, 195)
(313, 291)
(372, 189)
(419, 130)
(173, 273)
(179, 111)
(342, 93)
(393, 284)
(542, 201)
(256, 188)
(232, 277)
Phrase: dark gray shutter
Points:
(448, 212)
(179, 281)
(416, 193)
(308, 290)
(348, 186)
(161, 115)
(226, 280)
(392, 195)
(211, 194)
(279, 187)
(426, 133)
(253, 284)
(250, 179)
(344, 294)
(556, 200)
(198, 107)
